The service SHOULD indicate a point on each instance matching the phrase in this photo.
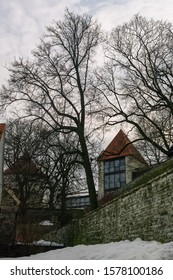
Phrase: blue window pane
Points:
(117, 177)
(116, 164)
(107, 182)
(114, 173)
(111, 168)
(111, 181)
(107, 167)
(122, 164)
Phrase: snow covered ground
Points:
(123, 250)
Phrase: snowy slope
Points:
(123, 250)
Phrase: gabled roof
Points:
(23, 166)
(121, 146)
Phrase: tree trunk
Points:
(89, 173)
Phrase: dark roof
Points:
(121, 146)
(23, 166)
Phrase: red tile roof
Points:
(23, 166)
(120, 146)
(2, 129)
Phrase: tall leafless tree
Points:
(137, 79)
(54, 85)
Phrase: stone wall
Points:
(143, 208)
(8, 211)
(7, 226)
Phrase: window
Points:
(78, 201)
(114, 174)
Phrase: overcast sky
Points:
(23, 21)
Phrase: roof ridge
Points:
(120, 146)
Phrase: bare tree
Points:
(59, 165)
(151, 154)
(137, 80)
(54, 85)
(22, 176)
(41, 167)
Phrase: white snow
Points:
(123, 250)
(47, 243)
(46, 223)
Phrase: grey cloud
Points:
(23, 21)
